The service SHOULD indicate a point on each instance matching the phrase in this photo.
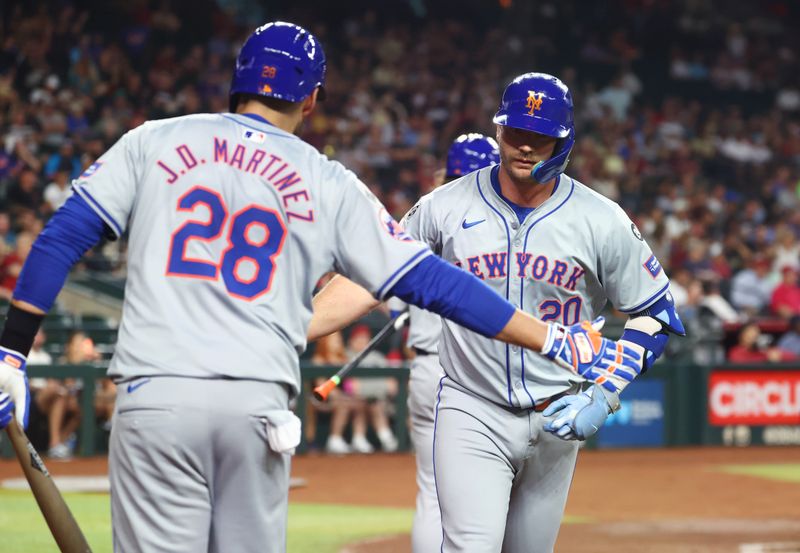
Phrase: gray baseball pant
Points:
(426, 532)
(502, 481)
(190, 468)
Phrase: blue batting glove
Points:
(578, 417)
(583, 350)
(14, 383)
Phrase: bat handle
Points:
(321, 392)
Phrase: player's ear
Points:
(310, 103)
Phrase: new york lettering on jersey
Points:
(551, 264)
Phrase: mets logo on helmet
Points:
(534, 101)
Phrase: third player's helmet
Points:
(280, 60)
(470, 152)
(541, 103)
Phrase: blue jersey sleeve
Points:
(437, 286)
(71, 231)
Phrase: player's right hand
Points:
(582, 349)
(14, 383)
(577, 417)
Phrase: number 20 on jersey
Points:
(242, 249)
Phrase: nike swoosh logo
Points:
(466, 225)
(133, 387)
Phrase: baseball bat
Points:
(321, 392)
(62, 524)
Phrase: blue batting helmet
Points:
(280, 60)
(470, 152)
(541, 103)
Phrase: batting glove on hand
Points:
(578, 416)
(583, 350)
(14, 383)
(6, 410)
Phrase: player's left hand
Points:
(582, 349)
(578, 416)
(6, 409)
(14, 383)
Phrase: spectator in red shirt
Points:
(753, 348)
(11, 265)
(785, 301)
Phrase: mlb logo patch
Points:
(92, 169)
(255, 136)
(394, 228)
(652, 265)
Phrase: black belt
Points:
(419, 352)
(539, 407)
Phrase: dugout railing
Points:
(763, 401)
(90, 374)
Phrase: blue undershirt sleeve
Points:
(71, 231)
(437, 286)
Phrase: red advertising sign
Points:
(756, 398)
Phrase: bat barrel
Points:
(59, 519)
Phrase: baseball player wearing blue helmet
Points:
(470, 152)
(506, 423)
(279, 60)
(541, 104)
(232, 220)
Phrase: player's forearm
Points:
(338, 304)
(68, 234)
(455, 294)
(29, 307)
(524, 330)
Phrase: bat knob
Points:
(321, 392)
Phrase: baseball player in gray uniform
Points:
(506, 420)
(231, 221)
(468, 153)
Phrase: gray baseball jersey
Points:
(232, 221)
(562, 263)
(424, 329)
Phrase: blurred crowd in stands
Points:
(687, 114)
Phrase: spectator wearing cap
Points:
(751, 290)
(785, 302)
(790, 342)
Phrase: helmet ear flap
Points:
(546, 171)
